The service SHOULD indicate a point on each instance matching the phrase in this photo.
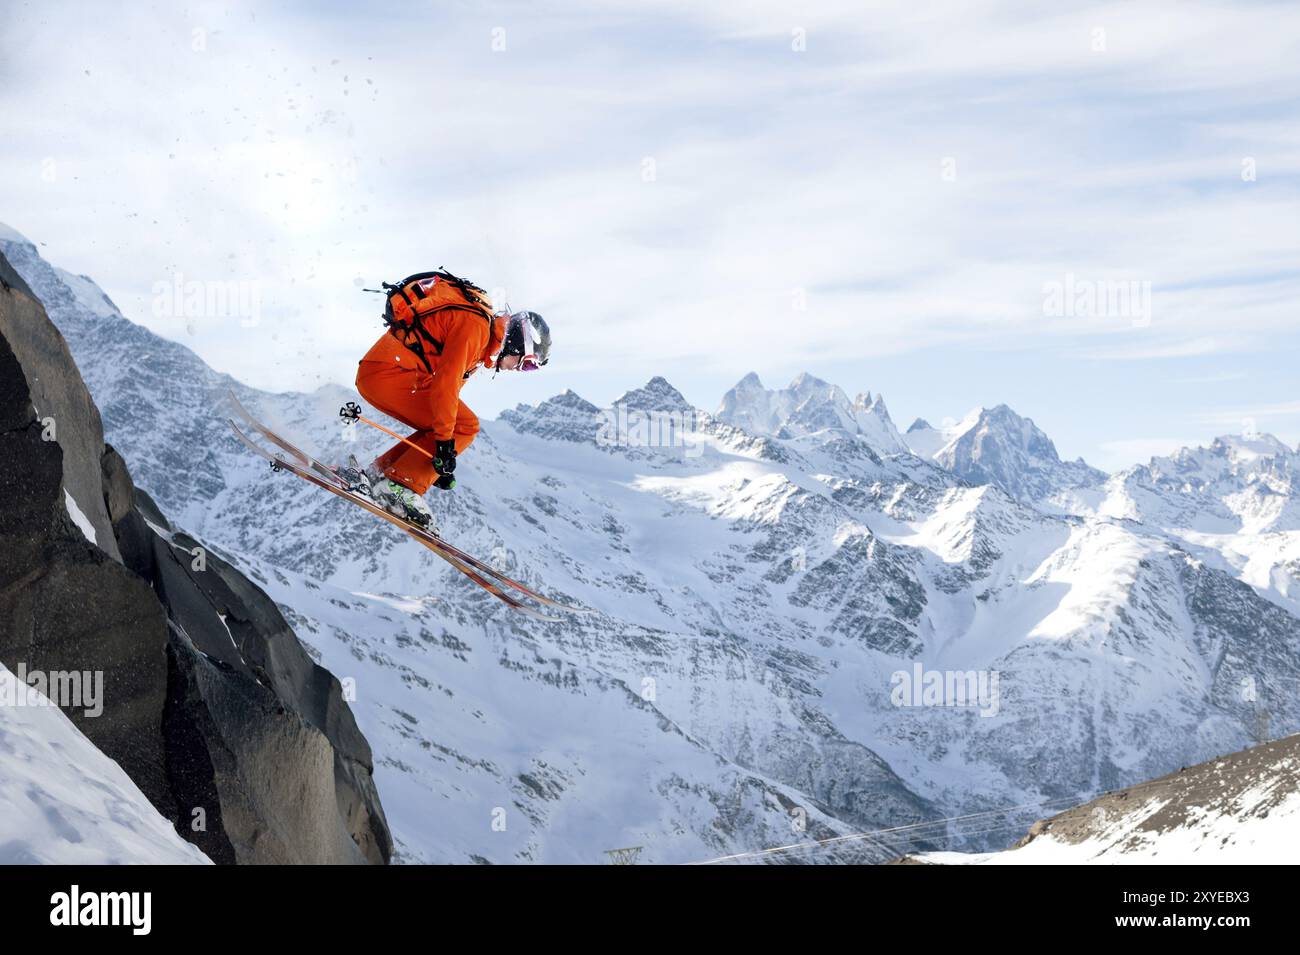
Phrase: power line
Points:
(873, 833)
(917, 830)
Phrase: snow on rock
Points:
(78, 516)
(656, 395)
(998, 446)
(806, 406)
(926, 440)
(89, 296)
(565, 417)
(63, 802)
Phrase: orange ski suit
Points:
(394, 380)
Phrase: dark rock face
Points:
(210, 703)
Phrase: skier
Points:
(441, 328)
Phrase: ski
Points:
(426, 537)
(336, 488)
(306, 459)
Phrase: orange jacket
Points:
(467, 342)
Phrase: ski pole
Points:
(352, 411)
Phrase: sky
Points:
(1085, 211)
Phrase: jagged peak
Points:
(571, 399)
(806, 381)
(808, 405)
(656, 395)
(567, 400)
(1234, 450)
(1002, 412)
(1261, 443)
(876, 405)
(1015, 428)
(920, 424)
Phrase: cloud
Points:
(1199, 346)
(1234, 417)
(1210, 379)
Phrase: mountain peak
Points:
(998, 446)
(806, 382)
(570, 399)
(1260, 444)
(563, 417)
(1231, 463)
(656, 395)
(876, 406)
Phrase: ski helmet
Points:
(528, 336)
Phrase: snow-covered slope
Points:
(1233, 503)
(763, 592)
(1242, 808)
(63, 802)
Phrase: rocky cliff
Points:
(209, 702)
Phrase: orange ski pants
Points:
(402, 390)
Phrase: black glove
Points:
(444, 458)
(445, 482)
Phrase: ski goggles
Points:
(522, 338)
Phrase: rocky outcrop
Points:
(1243, 807)
(210, 703)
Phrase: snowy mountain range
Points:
(807, 624)
(806, 406)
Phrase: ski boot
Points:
(396, 499)
(359, 479)
(400, 500)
